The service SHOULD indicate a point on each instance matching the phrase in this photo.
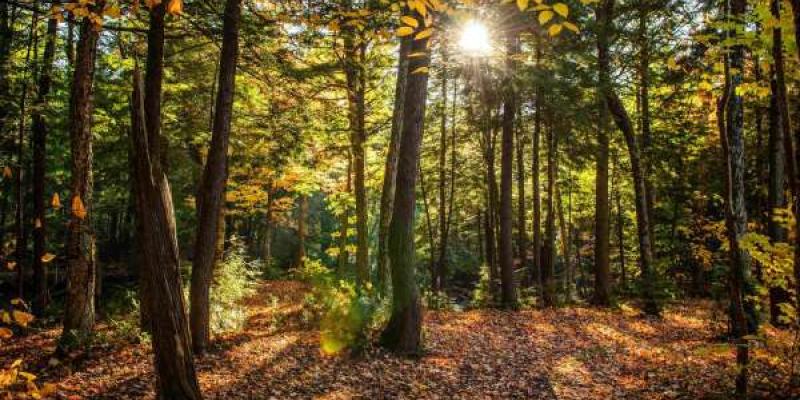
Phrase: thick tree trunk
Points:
(506, 249)
(605, 14)
(158, 241)
(645, 123)
(403, 332)
(390, 168)
(79, 308)
(39, 134)
(210, 197)
(602, 270)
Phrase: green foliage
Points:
(233, 281)
(347, 316)
(481, 295)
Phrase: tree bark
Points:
(548, 248)
(441, 265)
(506, 249)
(79, 308)
(605, 14)
(602, 270)
(210, 197)
(155, 219)
(390, 168)
(39, 135)
(403, 332)
(536, 276)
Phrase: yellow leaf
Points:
(561, 9)
(112, 11)
(77, 207)
(424, 34)
(5, 317)
(522, 5)
(570, 26)
(16, 301)
(27, 375)
(47, 257)
(404, 31)
(56, 202)
(545, 16)
(5, 333)
(175, 7)
(554, 29)
(410, 21)
(420, 70)
(6, 172)
(22, 317)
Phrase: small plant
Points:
(233, 281)
(481, 295)
(438, 301)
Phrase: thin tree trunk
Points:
(441, 265)
(79, 308)
(536, 276)
(210, 197)
(6, 37)
(344, 257)
(605, 16)
(602, 269)
(39, 135)
(403, 331)
(429, 227)
(522, 229)
(158, 242)
(390, 168)
(506, 249)
(644, 103)
(548, 248)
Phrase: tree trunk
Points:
(79, 308)
(158, 243)
(644, 104)
(210, 197)
(522, 229)
(39, 133)
(506, 254)
(390, 168)
(344, 257)
(302, 216)
(403, 332)
(602, 270)
(355, 49)
(6, 37)
(491, 202)
(548, 249)
(536, 276)
(441, 265)
(605, 16)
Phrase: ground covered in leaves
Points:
(567, 353)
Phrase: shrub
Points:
(233, 281)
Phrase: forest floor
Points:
(567, 353)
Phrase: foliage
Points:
(233, 282)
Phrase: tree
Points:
(403, 331)
(212, 187)
(81, 270)
(506, 256)
(602, 278)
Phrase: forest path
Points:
(568, 353)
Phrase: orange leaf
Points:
(56, 202)
(175, 7)
(5, 333)
(77, 207)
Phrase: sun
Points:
(474, 40)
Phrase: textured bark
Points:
(605, 14)
(441, 264)
(602, 269)
(39, 130)
(355, 74)
(155, 219)
(390, 168)
(536, 276)
(403, 332)
(506, 249)
(210, 196)
(79, 308)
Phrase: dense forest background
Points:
(160, 160)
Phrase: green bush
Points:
(233, 281)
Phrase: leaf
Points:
(56, 202)
(522, 5)
(424, 34)
(5, 317)
(554, 29)
(112, 11)
(17, 301)
(6, 172)
(561, 9)
(5, 333)
(21, 317)
(420, 70)
(570, 26)
(175, 7)
(545, 16)
(78, 209)
(10, 265)
(417, 54)
(404, 31)
(47, 257)
(410, 21)
(28, 376)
